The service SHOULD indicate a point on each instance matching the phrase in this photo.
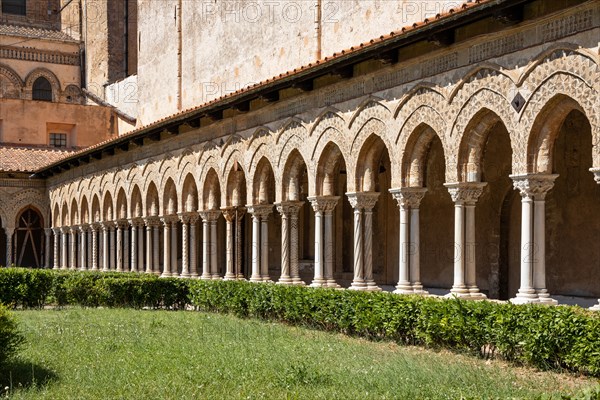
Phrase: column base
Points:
(331, 283)
(166, 275)
(545, 298)
(596, 307)
(359, 285)
(285, 280)
(319, 283)
(217, 278)
(206, 277)
(475, 294)
(404, 288)
(525, 297)
(230, 277)
(256, 279)
(185, 275)
(298, 282)
(372, 287)
(459, 291)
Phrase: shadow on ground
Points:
(20, 374)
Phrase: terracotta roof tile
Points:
(29, 158)
(36, 33)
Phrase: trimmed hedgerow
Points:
(545, 337)
(10, 337)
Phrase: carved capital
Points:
(84, 228)
(534, 186)
(324, 204)
(152, 222)
(122, 224)
(169, 219)
(409, 197)
(289, 208)
(465, 192)
(262, 211)
(210, 215)
(228, 213)
(108, 226)
(363, 200)
(136, 222)
(596, 172)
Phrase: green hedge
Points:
(545, 337)
(542, 336)
(10, 337)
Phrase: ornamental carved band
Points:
(534, 186)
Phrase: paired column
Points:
(83, 229)
(121, 226)
(409, 199)
(289, 242)
(134, 223)
(150, 223)
(363, 204)
(465, 196)
(209, 244)
(170, 246)
(106, 228)
(56, 232)
(48, 237)
(260, 242)
(533, 189)
(95, 228)
(324, 207)
(229, 215)
(73, 248)
(64, 241)
(185, 246)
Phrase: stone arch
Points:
(369, 163)
(472, 145)
(121, 205)
(152, 200)
(10, 82)
(137, 207)
(423, 93)
(367, 132)
(107, 208)
(170, 205)
(72, 94)
(233, 159)
(55, 217)
(64, 220)
(294, 169)
(45, 73)
(258, 133)
(329, 118)
(211, 191)
(31, 197)
(263, 184)
(482, 99)
(489, 75)
(371, 107)
(236, 187)
(330, 162)
(549, 105)
(85, 210)
(414, 154)
(74, 213)
(96, 211)
(293, 124)
(189, 195)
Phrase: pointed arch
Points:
(189, 196)
(211, 191)
(108, 208)
(152, 200)
(170, 205)
(96, 211)
(371, 107)
(415, 152)
(137, 207)
(293, 172)
(121, 205)
(331, 162)
(263, 183)
(236, 187)
(74, 210)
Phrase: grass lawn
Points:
(127, 354)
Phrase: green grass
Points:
(108, 354)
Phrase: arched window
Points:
(42, 89)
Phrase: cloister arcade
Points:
(442, 187)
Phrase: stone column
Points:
(285, 278)
(166, 221)
(323, 207)
(260, 242)
(9, 246)
(73, 248)
(193, 246)
(174, 245)
(112, 248)
(126, 248)
(214, 266)
(240, 212)
(56, 232)
(65, 246)
(120, 227)
(94, 229)
(149, 225)
(368, 246)
(294, 244)
(185, 262)
(229, 215)
(363, 257)
(319, 279)
(465, 195)
(134, 240)
(83, 249)
(105, 233)
(140, 243)
(206, 273)
(533, 189)
(596, 172)
(47, 239)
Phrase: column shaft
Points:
(319, 279)
(134, 240)
(167, 249)
(214, 266)
(94, 248)
(255, 249)
(206, 273)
